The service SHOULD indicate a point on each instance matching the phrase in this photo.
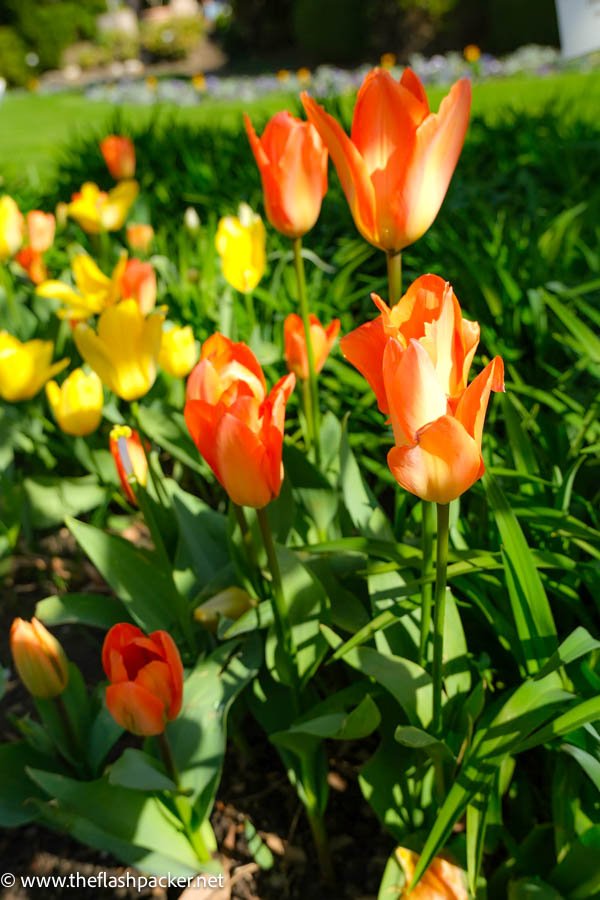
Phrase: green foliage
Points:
(49, 27)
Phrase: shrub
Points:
(173, 38)
(49, 27)
(12, 57)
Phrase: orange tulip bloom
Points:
(416, 358)
(322, 340)
(292, 161)
(146, 678)
(139, 237)
(396, 167)
(424, 302)
(236, 426)
(138, 282)
(39, 659)
(119, 156)
(442, 880)
(130, 458)
(33, 264)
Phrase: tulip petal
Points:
(135, 709)
(364, 348)
(95, 353)
(439, 141)
(240, 458)
(411, 81)
(156, 678)
(351, 168)
(170, 653)
(445, 462)
(473, 404)
(414, 394)
(272, 431)
(116, 639)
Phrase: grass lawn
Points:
(34, 127)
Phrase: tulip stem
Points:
(250, 311)
(312, 397)
(68, 727)
(282, 625)
(443, 516)
(321, 840)
(394, 273)
(182, 805)
(426, 568)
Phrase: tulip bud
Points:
(231, 603)
(25, 367)
(119, 156)
(191, 220)
(77, 403)
(130, 458)
(241, 244)
(40, 230)
(322, 340)
(139, 237)
(178, 352)
(39, 659)
(12, 227)
(146, 678)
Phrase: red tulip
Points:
(119, 156)
(322, 340)
(33, 263)
(292, 161)
(236, 426)
(146, 678)
(396, 166)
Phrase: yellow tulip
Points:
(11, 228)
(77, 403)
(241, 244)
(178, 351)
(94, 290)
(25, 367)
(125, 350)
(98, 211)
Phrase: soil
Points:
(254, 787)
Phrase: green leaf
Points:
(51, 499)
(137, 770)
(168, 429)
(343, 725)
(577, 876)
(137, 828)
(578, 644)
(393, 881)
(530, 607)
(417, 739)
(365, 512)
(16, 787)
(145, 589)
(590, 764)
(98, 610)
(587, 340)
(532, 889)
(580, 714)
(198, 735)
(204, 534)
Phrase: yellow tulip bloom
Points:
(125, 350)
(25, 367)
(241, 244)
(77, 403)
(178, 352)
(12, 228)
(94, 290)
(98, 211)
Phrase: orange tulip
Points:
(39, 659)
(138, 282)
(146, 678)
(119, 156)
(33, 264)
(417, 358)
(139, 237)
(424, 302)
(130, 458)
(292, 161)
(396, 167)
(322, 340)
(236, 426)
